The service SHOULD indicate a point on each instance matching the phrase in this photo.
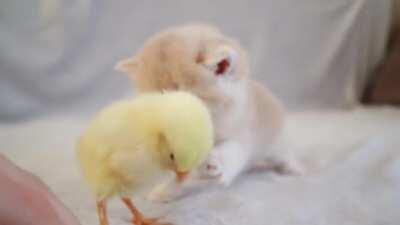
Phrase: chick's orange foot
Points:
(138, 218)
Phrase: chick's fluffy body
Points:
(129, 143)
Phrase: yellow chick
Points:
(130, 142)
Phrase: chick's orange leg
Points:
(139, 219)
(102, 212)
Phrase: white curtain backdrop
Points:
(58, 56)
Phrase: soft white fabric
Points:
(58, 55)
(353, 158)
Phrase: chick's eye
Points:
(172, 156)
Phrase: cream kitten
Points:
(203, 61)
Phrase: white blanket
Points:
(353, 160)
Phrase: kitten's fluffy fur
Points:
(202, 60)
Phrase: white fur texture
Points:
(232, 156)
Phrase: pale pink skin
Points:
(26, 200)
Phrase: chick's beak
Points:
(181, 176)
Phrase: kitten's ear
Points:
(128, 65)
(222, 60)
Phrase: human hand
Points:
(26, 200)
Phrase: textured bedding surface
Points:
(352, 159)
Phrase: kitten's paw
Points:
(217, 169)
(212, 168)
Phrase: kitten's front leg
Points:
(225, 162)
